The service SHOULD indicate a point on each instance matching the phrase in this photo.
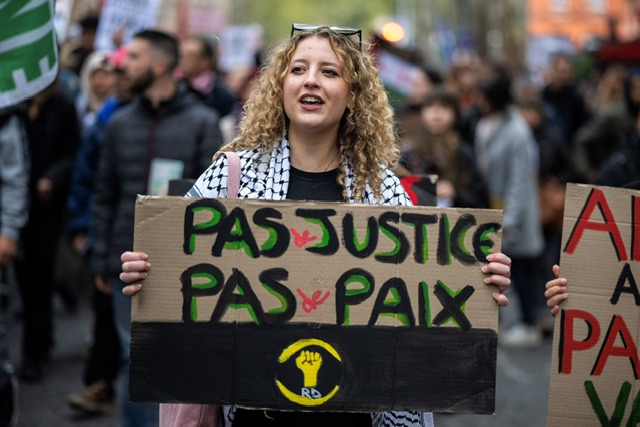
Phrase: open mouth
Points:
(311, 100)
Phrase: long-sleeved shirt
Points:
(14, 174)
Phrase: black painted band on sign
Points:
(438, 369)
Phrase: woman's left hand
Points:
(498, 272)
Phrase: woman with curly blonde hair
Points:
(318, 127)
(366, 132)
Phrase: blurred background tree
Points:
(276, 16)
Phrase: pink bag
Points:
(189, 415)
(193, 414)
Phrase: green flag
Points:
(28, 50)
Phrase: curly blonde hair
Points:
(367, 134)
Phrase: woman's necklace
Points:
(331, 162)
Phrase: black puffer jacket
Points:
(182, 128)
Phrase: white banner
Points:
(132, 15)
(239, 45)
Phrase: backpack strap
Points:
(233, 177)
(193, 414)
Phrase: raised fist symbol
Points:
(309, 363)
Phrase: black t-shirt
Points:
(316, 186)
(320, 186)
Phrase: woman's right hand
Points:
(556, 291)
(134, 269)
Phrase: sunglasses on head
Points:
(345, 31)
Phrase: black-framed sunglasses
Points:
(346, 31)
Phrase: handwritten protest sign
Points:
(314, 306)
(595, 367)
(130, 16)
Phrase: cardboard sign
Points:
(314, 306)
(595, 367)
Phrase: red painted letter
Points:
(629, 349)
(597, 199)
(567, 342)
(635, 219)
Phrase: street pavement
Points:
(45, 404)
(521, 395)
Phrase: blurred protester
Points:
(623, 166)
(632, 92)
(243, 81)
(54, 135)
(97, 82)
(14, 198)
(440, 150)
(167, 125)
(464, 81)
(77, 56)
(410, 122)
(423, 82)
(507, 157)
(597, 139)
(103, 362)
(198, 64)
(555, 170)
(563, 96)
(68, 81)
(248, 85)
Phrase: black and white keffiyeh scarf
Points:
(266, 176)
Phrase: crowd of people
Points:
(497, 140)
(121, 123)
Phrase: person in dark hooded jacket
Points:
(54, 137)
(623, 166)
(166, 133)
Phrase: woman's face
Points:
(438, 118)
(316, 94)
(102, 83)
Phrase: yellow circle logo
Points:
(309, 372)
